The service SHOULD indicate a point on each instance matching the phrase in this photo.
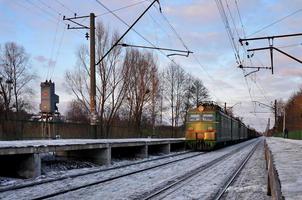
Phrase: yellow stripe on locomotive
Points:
(201, 126)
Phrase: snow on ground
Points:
(208, 182)
(251, 182)
(55, 167)
(61, 142)
(27, 193)
(287, 155)
(133, 186)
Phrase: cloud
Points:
(46, 62)
(197, 11)
(291, 72)
(40, 59)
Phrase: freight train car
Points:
(208, 126)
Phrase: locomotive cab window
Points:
(194, 117)
(208, 117)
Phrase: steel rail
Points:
(235, 174)
(185, 177)
(121, 176)
(113, 178)
(25, 185)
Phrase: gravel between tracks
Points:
(251, 182)
(133, 186)
(124, 188)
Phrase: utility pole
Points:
(92, 71)
(284, 113)
(93, 114)
(275, 107)
(270, 48)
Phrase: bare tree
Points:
(142, 85)
(15, 71)
(76, 112)
(174, 87)
(109, 81)
(199, 92)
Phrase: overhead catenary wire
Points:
(58, 52)
(64, 6)
(230, 34)
(251, 62)
(134, 30)
(232, 40)
(51, 60)
(49, 14)
(240, 18)
(186, 47)
(122, 8)
(275, 22)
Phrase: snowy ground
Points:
(131, 187)
(251, 183)
(64, 142)
(287, 155)
(56, 173)
(55, 167)
(207, 183)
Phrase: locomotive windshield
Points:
(194, 117)
(207, 117)
(200, 117)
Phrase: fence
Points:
(296, 135)
(20, 130)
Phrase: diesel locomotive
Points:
(208, 126)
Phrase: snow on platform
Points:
(287, 155)
(31, 146)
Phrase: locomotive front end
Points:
(201, 128)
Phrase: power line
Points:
(133, 29)
(275, 22)
(58, 52)
(50, 7)
(52, 48)
(122, 8)
(240, 18)
(228, 29)
(65, 6)
(53, 16)
(185, 46)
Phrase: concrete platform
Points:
(22, 158)
(285, 167)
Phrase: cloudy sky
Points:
(38, 26)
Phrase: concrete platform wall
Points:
(273, 182)
(26, 161)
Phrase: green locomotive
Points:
(209, 126)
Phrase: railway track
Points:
(32, 184)
(70, 188)
(174, 184)
(231, 179)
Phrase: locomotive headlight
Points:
(191, 129)
(210, 128)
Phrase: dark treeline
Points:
(293, 113)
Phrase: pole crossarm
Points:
(158, 48)
(263, 104)
(279, 50)
(249, 67)
(72, 19)
(241, 40)
(130, 27)
(271, 47)
(257, 69)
